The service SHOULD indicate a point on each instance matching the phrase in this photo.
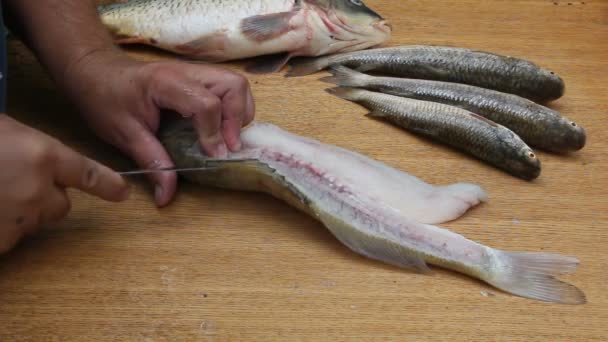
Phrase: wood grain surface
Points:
(221, 265)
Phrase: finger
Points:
(148, 153)
(74, 170)
(191, 99)
(250, 110)
(55, 206)
(9, 236)
(208, 122)
(14, 226)
(234, 108)
(236, 105)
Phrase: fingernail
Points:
(222, 150)
(91, 177)
(237, 145)
(158, 193)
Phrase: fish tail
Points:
(532, 275)
(344, 76)
(347, 93)
(306, 66)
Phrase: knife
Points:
(165, 169)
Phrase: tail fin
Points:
(532, 275)
(344, 76)
(347, 93)
(306, 66)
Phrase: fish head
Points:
(346, 25)
(571, 137)
(526, 163)
(554, 88)
(518, 158)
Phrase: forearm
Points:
(62, 33)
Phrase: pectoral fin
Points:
(367, 67)
(268, 63)
(265, 27)
(209, 48)
(486, 120)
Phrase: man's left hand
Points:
(122, 99)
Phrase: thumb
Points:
(148, 153)
(73, 169)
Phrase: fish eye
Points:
(356, 2)
(573, 124)
(531, 155)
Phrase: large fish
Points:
(377, 211)
(223, 30)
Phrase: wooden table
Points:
(222, 265)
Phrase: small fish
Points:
(450, 64)
(377, 211)
(456, 127)
(536, 124)
(224, 30)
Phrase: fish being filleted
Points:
(375, 210)
(451, 64)
(537, 125)
(456, 127)
(224, 30)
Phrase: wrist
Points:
(88, 73)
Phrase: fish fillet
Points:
(375, 210)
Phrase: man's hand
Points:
(37, 169)
(122, 100)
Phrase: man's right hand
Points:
(36, 170)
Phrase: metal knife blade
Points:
(166, 169)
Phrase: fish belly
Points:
(371, 208)
(398, 190)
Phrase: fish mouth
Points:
(384, 26)
(346, 34)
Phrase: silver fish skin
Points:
(538, 125)
(375, 210)
(450, 64)
(225, 30)
(453, 126)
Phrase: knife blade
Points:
(165, 169)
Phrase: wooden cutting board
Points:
(220, 265)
